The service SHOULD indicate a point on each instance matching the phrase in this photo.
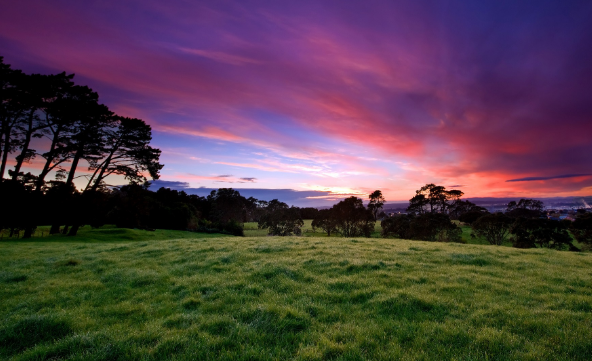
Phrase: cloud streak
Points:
(530, 179)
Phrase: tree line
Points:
(524, 223)
(432, 213)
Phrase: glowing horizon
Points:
(337, 97)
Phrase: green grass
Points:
(307, 231)
(301, 298)
(109, 234)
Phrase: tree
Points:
(459, 207)
(471, 216)
(128, 153)
(432, 199)
(525, 208)
(13, 107)
(57, 127)
(227, 205)
(398, 226)
(89, 121)
(493, 227)
(30, 126)
(325, 221)
(281, 220)
(434, 227)
(376, 203)
(308, 212)
(542, 233)
(418, 204)
(352, 218)
(581, 228)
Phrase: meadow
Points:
(251, 230)
(137, 295)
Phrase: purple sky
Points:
(323, 99)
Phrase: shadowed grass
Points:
(301, 298)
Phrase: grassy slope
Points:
(292, 298)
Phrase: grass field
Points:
(307, 231)
(135, 295)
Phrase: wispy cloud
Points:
(529, 179)
(221, 56)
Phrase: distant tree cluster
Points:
(432, 210)
(281, 220)
(427, 217)
(350, 218)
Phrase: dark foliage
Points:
(281, 220)
(398, 226)
(352, 218)
(471, 216)
(581, 229)
(227, 205)
(376, 203)
(466, 210)
(493, 227)
(525, 208)
(433, 199)
(542, 233)
(308, 213)
(434, 227)
(325, 221)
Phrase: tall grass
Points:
(302, 298)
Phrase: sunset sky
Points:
(312, 101)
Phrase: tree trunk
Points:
(28, 232)
(75, 161)
(48, 161)
(65, 230)
(74, 229)
(55, 229)
(4, 155)
(21, 157)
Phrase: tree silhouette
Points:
(376, 203)
(325, 220)
(525, 208)
(128, 153)
(352, 218)
(13, 102)
(281, 220)
(432, 199)
(493, 227)
(581, 228)
(398, 226)
(544, 233)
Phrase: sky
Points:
(313, 101)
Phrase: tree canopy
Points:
(433, 199)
